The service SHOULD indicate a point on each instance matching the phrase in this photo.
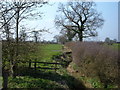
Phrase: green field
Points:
(49, 50)
(45, 52)
(114, 46)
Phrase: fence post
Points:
(35, 65)
(30, 63)
(56, 66)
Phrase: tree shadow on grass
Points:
(71, 82)
(28, 82)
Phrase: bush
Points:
(9, 50)
(70, 45)
(96, 60)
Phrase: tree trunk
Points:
(80, 36)
(35, 39)
(69, 35)
(5, 74)
(13, 72)
(17, 26)
(13, 68)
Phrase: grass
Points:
(89, 82)
(0, 82)
(45, 79)
(31, 82)
(114, 46)
(46, 51)
(49, 50)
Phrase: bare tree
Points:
(6, 26)
(24, 10)
(61, 38)
(23, 36)
(36, 35)
(11, 14)
(80, 17)
(56, 38)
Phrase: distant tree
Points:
(79, 17)
(107, 40)
(68, 34)
(56, 38)
(36, 35)
(23, 35)
(61, 38)
(114, 40)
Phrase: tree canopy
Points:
(80, 17)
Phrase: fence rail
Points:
(35, 63)
(40, 62)
(47, 68)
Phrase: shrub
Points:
(70, 45)
(9, 50)
(96, 60)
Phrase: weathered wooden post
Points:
(30, 64)
(35, 65)
(56, 66)
(5, 78)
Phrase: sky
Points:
(119, 22)
(109, 12)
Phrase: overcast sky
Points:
(109, 12)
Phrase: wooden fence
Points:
(35, 64)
